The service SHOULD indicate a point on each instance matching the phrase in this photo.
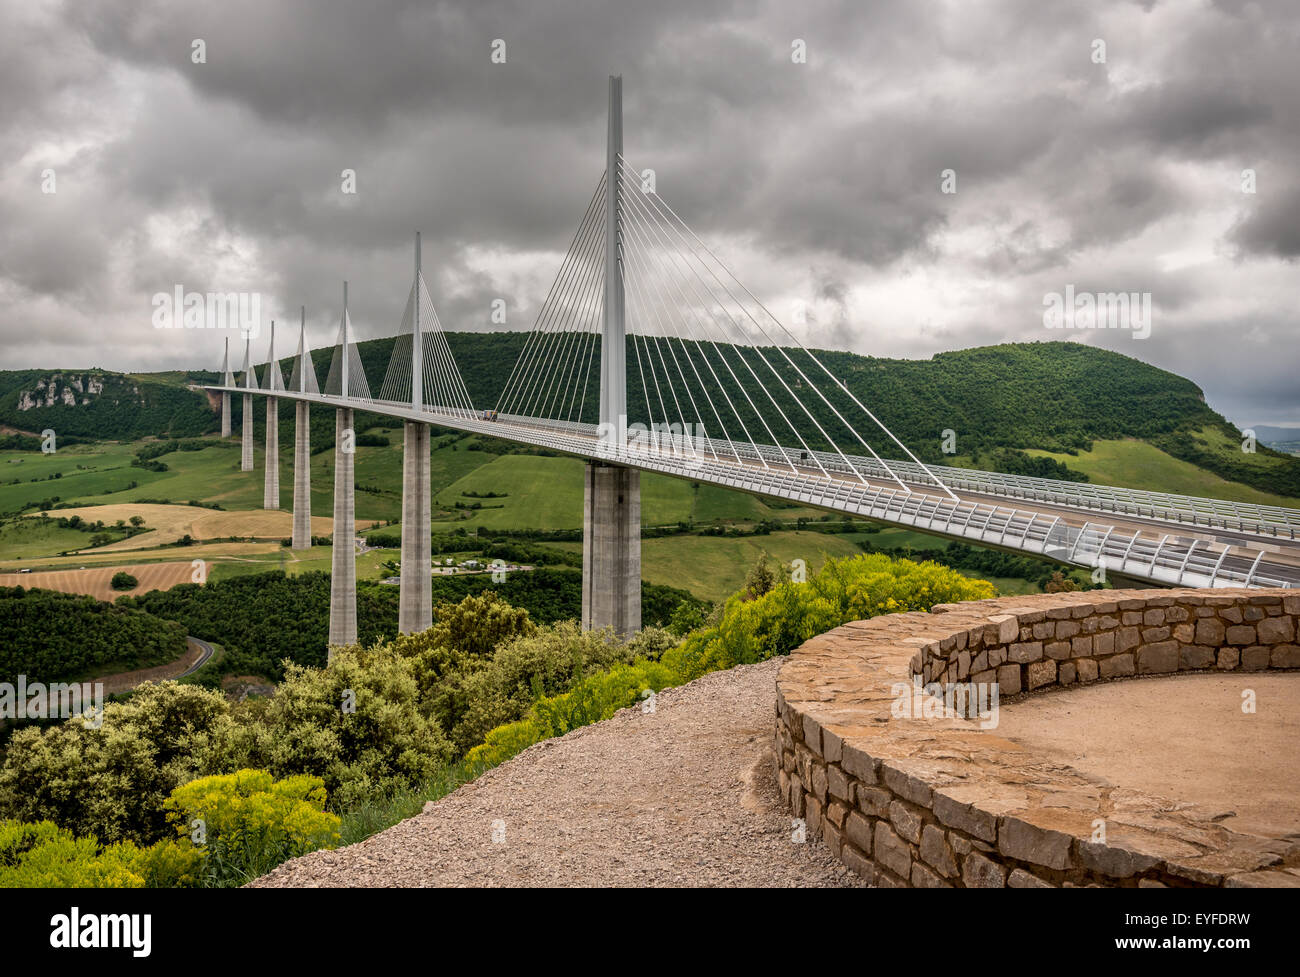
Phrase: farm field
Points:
(168, 523)
(546, 493)
(25, 539)
(94, 581)
(75, 471)
(1006, 586)
(318, 558)
(535, 492)
(103, 474)
(204, 551)
(890, 536)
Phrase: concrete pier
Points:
(301, 476)
(271, 485)
(246, 459)
(343, 580)
(415, 610)
(228, 380)
(611, 498)
(611, 549)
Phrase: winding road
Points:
(207, 652)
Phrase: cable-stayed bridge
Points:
(649, 354)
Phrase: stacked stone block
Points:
(943, 803)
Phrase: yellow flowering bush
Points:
(230, 828)
(43, 855)
(246, 823)
(751, 629)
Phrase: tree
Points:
(686, 618)
(110, 780)
(1059, 584)
(762, 577)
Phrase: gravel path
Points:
(683, 796)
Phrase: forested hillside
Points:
(265, 618)
(50, 636)
(97, 404)
(997, 400)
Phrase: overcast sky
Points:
(818, 182)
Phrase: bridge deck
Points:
(1176, 541)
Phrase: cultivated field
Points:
(94, 581)
(170, 522)
(534, 492)
(92, 558)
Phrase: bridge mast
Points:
(611, 521)
(415, 603)
(228, 380)
(271, 482)
(250, 383)
(301, 538)
(613, 372)
(417, 346)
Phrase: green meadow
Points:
(475, 488)
(1140, 465)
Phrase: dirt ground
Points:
(1182, 737)
(681, 796)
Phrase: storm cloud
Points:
(819, 183)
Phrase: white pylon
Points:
(303, 371)
(613, 352)
(417, 342)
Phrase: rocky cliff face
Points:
(69, 389)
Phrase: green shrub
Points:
(686, 618)
(369, 728)
(478, 624)
(123, 581)
(111, 781)
(767, 618)
(230, 829)
(358, 724)
(42, 855)
(542, 663)
(169, 865)
(246, 823)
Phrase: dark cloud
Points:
(1273, 225)
(819, 182)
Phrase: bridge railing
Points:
(1168, 558)
(1165, 559)
(1246, 517)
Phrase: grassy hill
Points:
(1139, 464)
(1030, 408)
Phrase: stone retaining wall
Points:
(942, 802)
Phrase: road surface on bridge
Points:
(1126, 544)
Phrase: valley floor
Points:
(681, 796)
